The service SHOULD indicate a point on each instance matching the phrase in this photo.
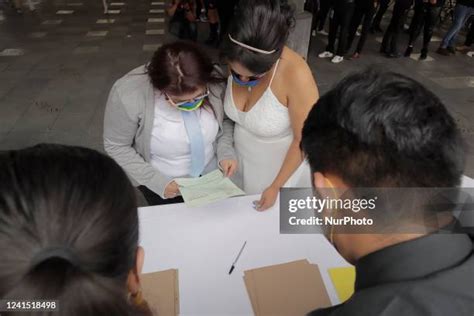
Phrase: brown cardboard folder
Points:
(292, 289)
(161, 291)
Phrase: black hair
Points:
(376, 129)
(263, 24)
(77, 200)
(181, 67)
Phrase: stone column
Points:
(301, 34)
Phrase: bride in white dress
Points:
(269, 94)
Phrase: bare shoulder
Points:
(295, 69)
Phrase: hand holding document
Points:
(204, 190)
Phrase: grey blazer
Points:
(128, 122)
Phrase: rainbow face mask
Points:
(191, 105)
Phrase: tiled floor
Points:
(58, 64)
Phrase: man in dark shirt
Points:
(385, 130)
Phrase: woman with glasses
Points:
(165, 121)
(269, 94)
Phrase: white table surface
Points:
(203, 242)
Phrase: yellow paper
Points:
(343, 279)
(212, 187)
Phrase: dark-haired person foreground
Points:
(386, 130)
(269, 94)
(69, 232)
(165, 120)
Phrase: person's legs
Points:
(225, 10)
(198, 9)
(399, 11)
(389, 33)
(387, 37)
(470, 36)
(333, 28)
(368, 15)
(416, 23)
(154, 199)
(460, 13)
(315, 12)
(355, 22)
(213, 19)
(325, 6)
(431, 17)
(382, 8)
(345, 18)
(467, 15)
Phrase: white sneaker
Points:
(470, 54)
(358, 34)
(337, 59)
(326, 54)
(313, 33)
(323, 32)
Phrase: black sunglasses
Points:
(249, 78)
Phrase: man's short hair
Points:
(376, 129)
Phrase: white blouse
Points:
(170, 148)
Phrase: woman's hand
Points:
(171, 190)
(228, 166)
(267, 199)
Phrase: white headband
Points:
(252, 48)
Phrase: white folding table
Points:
(203, 242)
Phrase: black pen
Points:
(238, 256)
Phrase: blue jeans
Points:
(461, 14)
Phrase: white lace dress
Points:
(262, 137)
